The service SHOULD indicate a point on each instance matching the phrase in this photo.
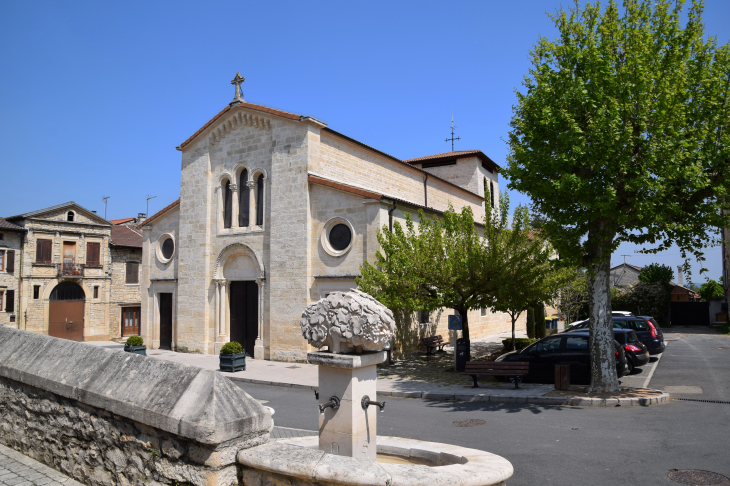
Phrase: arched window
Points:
(70, 216)
(227, 204)
(243, 198)
(260, 200)
(491, 192)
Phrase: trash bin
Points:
(463, 350)
(562, 377)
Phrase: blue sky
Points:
(97, 95)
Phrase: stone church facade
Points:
(276, 210)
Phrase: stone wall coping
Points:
(347, 361)
(299, 457)
(187, 401)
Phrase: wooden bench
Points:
(514, 369)
(434, 342)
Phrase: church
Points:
(277, 210)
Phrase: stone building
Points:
(276, 210)
(11, 239)
(68, 269)
(125, 246)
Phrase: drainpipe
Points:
(390, 216)
(425, 191)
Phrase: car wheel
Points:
(629, 367)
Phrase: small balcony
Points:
(71, 270)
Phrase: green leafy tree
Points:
(435, 265)
(520, 262)
(574, 294)
(530, 326)
(621, 135)
(711, 290)
(540, 330)
(655, 273)
(641, 299)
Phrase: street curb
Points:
(541, 400)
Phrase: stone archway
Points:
(67, 305)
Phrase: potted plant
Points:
(135, 344)
(232, 357)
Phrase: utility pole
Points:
(105, 199)
(453, 127)
(146, 215)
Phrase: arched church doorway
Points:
(244, 311)
(66, 312)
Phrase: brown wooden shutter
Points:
(132, 272)
(43, 251)
(10, 261)
(93, 254)
(10, 302)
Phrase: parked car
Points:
(646, 329)
(622, 313)
(636, 353)
(566, 348)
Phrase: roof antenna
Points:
(148, 205)
(105, 199)
(453, 127)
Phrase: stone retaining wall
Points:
(110, 418)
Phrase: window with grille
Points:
(44, 251)
(132, 273)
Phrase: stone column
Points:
(251, 204)
(350, 430)
(259, 351)
(220, 314)
(234, 209)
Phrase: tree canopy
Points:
(656, 274)
(621, 135)
(711, 290)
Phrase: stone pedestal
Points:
(350, 430)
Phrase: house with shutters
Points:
(11, 239)
(74, 280)
(276, 211)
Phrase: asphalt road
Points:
(573, 445)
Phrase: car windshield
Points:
(620, 337)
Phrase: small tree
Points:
(540, 331)
(574, 294)
(439, 264)
(655, 273)
(711, 290)
(530, 317)
(521, 263)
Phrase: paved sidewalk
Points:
(17, 469)
(302, 375)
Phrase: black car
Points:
(645, 327)
(636, 352)
(566, 348)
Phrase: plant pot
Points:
(233, 362)
(136, 349)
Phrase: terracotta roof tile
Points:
(160, 213)
(248, 106)
(455, 154)
(7, 225)
(121, 221)
(125, 236)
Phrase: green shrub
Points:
(231, 348)
(135, 341)
(520, 343)
(530, 322)
(540, 331)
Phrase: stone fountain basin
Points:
(299, 459)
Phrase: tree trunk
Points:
(464, 313)
(603, 360)
(514, 320)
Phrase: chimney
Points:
(680, 278)
(141, 217)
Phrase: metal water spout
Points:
(366, 402)
(334, 404)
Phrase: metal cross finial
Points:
(453, 127)
(238, 97)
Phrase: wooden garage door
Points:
(66, 312)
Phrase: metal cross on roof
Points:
(453, 127)
(238, 97)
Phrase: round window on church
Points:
(340, 236)
(165, 248)
(337, 236)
